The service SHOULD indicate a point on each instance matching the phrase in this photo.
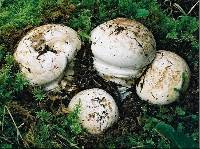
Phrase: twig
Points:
(4, 110)
(18, 132)
(20, 125)
(71, 144)
(193, 8)
(141, 146)
(179, 8)
(62, 143)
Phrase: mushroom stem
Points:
(52, 85)
(69, 73)
(124, 92)
(67, 81)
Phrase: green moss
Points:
(17, 14)
(11, 83)
(39, 94)
(50, 128)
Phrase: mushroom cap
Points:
(122, 48)
(45, 51)
(98, 110)
(165, 79)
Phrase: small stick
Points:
(71, 144)
(18, 132)
(4, 110)
(179, 8)
(192, 8)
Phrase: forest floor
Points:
(29, 117)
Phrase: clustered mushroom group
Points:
(124, 52)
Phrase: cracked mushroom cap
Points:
(122, 49)
(165, 79)
(44, 53)
(98, 110)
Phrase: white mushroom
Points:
(165, 79)
(98, 110)
(122, 49)
(44, 53)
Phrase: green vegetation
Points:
(170, 126)
(39, 94)
(11, 83)
(17, 14)
(50, 129)
(177, 138)
(157, 133)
